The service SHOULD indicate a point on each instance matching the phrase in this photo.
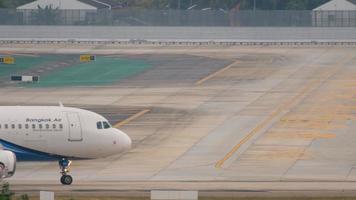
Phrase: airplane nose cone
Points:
(124, 141)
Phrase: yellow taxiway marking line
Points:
(133, 117)
(309, 87)
(263, 124)
(260, 126)
(215, 73)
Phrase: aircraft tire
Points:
(66, 179)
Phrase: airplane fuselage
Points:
(58, 132)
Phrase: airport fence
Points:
(139, 17)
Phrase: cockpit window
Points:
(106, 125)
(99, 125)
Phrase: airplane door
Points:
(75, 129)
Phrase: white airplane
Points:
(55, 132)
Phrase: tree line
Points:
(201, 4)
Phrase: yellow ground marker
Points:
(7, 60)
(309, 87)
(86, 58)
(215, 73)
(133, 117)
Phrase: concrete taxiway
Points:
(224, 118)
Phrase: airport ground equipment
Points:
(25, 78)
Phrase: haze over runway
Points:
(213, 118)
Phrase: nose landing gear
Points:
(64, 164)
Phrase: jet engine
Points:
(7, 164)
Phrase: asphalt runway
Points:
(221, 119)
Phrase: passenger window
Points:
(54, 126)
(0, 126)
(61, 126)
(106, 125)
(26, 126)
(20, 126)
(13, 126)
(6, 126)
(47, 126)
(99, 125)
(40, 126)
(34, 126)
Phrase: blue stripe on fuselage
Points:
(26, 154)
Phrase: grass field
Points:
(103, 71)
(23, 63)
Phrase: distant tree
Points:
(311, 4)
(282, 4)
(13, 3)
(296, 5)
(213, 4)
(2, 5)
(46, 15)
(220, 4)
(154, 4)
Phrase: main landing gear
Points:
(64, 164)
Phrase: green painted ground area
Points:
(23, 63)
(103, 71)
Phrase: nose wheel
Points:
(66, 179)
(64, 164)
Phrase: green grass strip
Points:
(22, 63)
(103, 71)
